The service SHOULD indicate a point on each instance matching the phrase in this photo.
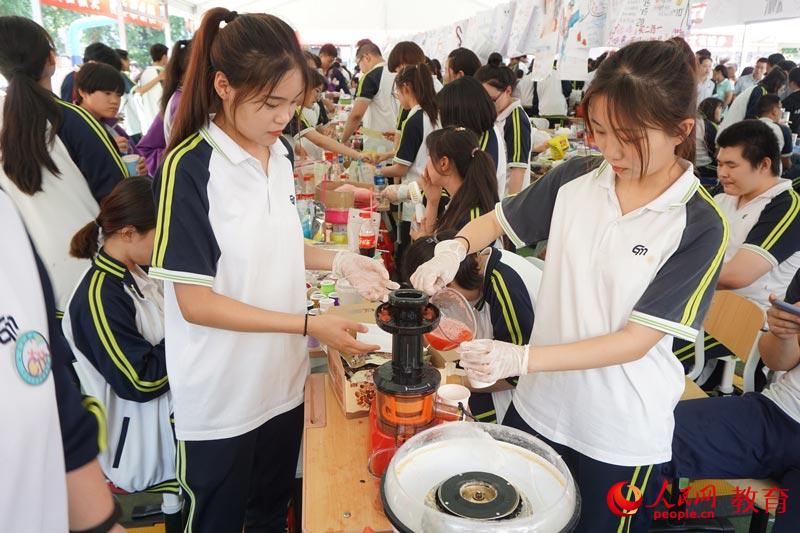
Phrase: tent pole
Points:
(167, 29)
(744, 41)
(36, 11)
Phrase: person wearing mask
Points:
(374, 106)
(769, 112)
(709, 115)
(502, 287)
(635, 245)
(95, 52)
(764, 245)
(151, 99)
(332, 70)
(229, 247)
(459, 63)
(114, 325)
(58, 161)
(723, 87)
(746, 81)
(43, 414)
(415, 92)
(152, 145)
(792, 102)
(99, 91)
(706, 86)
(465, 103)
(500, 82)
(745, 106)
(753, 436)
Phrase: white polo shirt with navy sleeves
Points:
(769, 226)
(412, 150)
(224, 224)
(377, 85)
(656, 266)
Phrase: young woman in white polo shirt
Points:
(58, 161)
(229, 246)
(635, 246)
(500, 82)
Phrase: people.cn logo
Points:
(621, 505)
(639, 250)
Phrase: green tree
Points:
(179, 28)
(140, 39)
(21, 8)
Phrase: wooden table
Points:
(339, 494)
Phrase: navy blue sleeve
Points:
(411, 138)
(369, 83)
(67, 86)
(518, 139)
(787, 140)
(525, 218)
(752, 103)
(489, 142)
(511, 309)
(793, 292)
(104, 328)
(776, 234)
(79, 429)
(92, 149)
(290, 154)
(344, 84)
(185, 249)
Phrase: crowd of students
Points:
(168, 294)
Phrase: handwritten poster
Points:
(640, 20)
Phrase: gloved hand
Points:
(488, 361)
(367, 276)
(433, 276)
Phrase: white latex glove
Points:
(433, 276)
(488, 361)
(367, 276)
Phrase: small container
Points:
(339, 234)
(335, 297)
(327, 286)
(336, 216)
(315, 298)
(452, 394)
(309, 305)
(131, 162)
(325, 305)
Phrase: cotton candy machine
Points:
(464, 476)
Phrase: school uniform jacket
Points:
(89, 167)
(517, 135)
(115, 327)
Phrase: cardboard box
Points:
(326, 194)
(440, 359)
(356, 391)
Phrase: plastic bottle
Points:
(366, 235)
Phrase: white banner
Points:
(640, 20)
(729, 13)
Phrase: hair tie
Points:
(231, 16)
(475, 150)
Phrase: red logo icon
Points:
(618, 499)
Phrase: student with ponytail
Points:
(465, 103)
(414, 90)
(500, 82)
(635, 249)
(229, 247)
(58, 161)
(114, 324)
(458, 167)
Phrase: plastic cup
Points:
(131, 162)
(315, 299)
(327, 286)
(475, 384)
(457, 323)
(335, 297)
(453, 394)
(377, 465)
(325, 304)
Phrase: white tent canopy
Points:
(346, 22)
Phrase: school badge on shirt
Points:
(32, 358)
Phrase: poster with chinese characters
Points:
(639, 20)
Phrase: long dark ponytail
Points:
(130, 203)
(29, 108)
(419, 79)
(176, 67)
(254, 51)
(477, 170)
